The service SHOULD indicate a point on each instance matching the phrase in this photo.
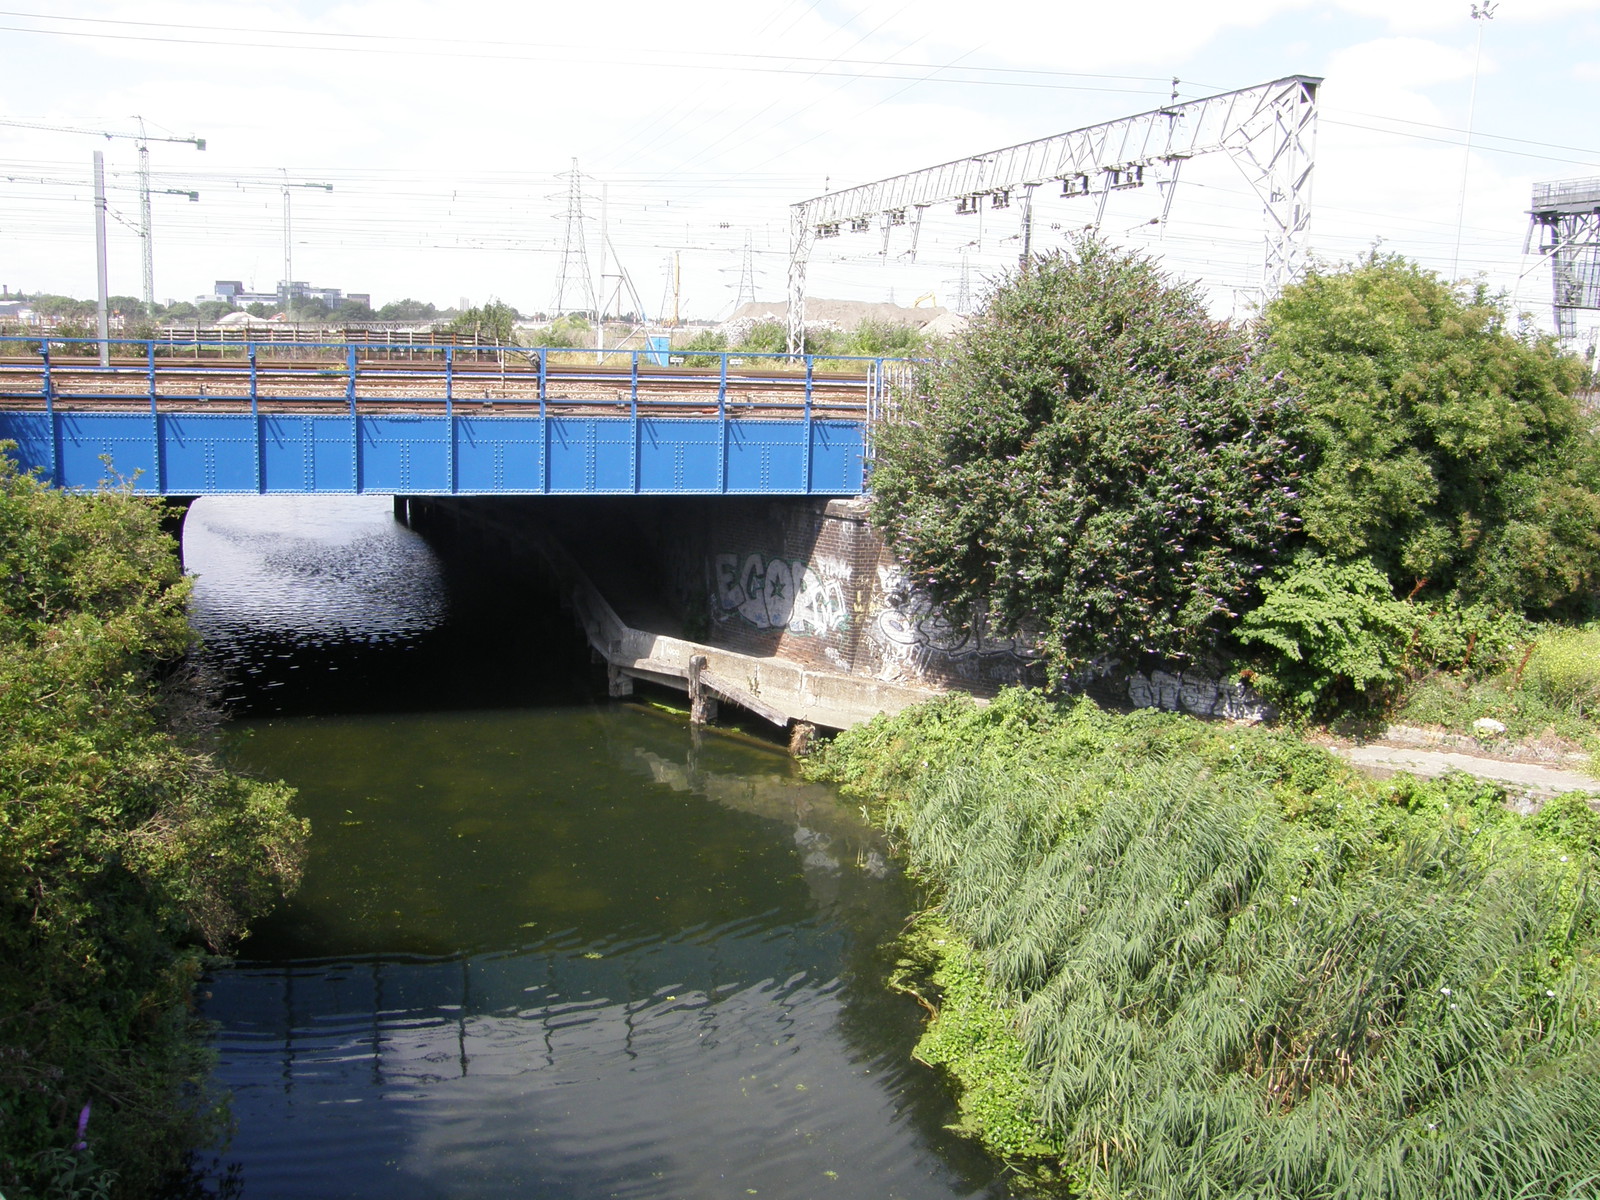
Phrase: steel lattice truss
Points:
(1268, 131)
(1566, 216)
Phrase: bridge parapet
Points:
(224, 417)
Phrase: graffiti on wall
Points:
(775, 593)
(914, 634)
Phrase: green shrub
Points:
(494, 324)
(123, 848)
(703, 349)
(884, 339)
(1445, 448)
(1332, 632)
(1330, 636)
(1565, 666)
(765, 337)
(1097, 457)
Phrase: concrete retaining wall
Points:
(811, 583)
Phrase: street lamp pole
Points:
(1481, 14)
(288, 246)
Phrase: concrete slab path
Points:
(1540, 780)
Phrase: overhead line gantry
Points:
(1268, 131)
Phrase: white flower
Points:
(1452, 1006)
(1563, 858)
(1294, 899)
(1444, 991)
(1549, 993)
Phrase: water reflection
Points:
(572, 950)
(319, 569)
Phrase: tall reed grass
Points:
(1233, 973)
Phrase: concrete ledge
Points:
(773, 688)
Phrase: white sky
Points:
(447, 129)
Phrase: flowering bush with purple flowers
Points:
(1097, 456)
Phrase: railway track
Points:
(382, 384)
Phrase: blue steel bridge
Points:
(194, 418)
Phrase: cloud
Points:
(1418, 16)
(1077, 36)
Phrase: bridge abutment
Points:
(795, 608)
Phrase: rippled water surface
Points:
(548, 945)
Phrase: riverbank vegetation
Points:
(1378, 497)
(1171, 959)
(126, 854)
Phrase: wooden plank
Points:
(734, 694)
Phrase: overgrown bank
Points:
(125, 853)
(1172, 959)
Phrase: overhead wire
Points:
(430, 51)
(431, 39)
(478, 216)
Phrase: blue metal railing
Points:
(369, 416)
(529, 369)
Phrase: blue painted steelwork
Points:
(188, 443)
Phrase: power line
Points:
(429, 52)
(431, 40)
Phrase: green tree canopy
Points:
(128, 306)
(1445, 448)
(63, 308)
(312, 308)
(352, 311)
(1096, 455)
(407, 310)
(494, 323)
(121, 842)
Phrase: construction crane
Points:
(143, 139)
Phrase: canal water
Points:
(548, 945)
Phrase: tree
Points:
(494, 324)
(1096, 456)
(407, 310)
(63, 308)
(1443, 447)
(352, 311)
(123, 847)
(129, 306)
(312, 308)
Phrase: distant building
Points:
(231, 291)
(297, 291)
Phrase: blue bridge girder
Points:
(192, 418)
